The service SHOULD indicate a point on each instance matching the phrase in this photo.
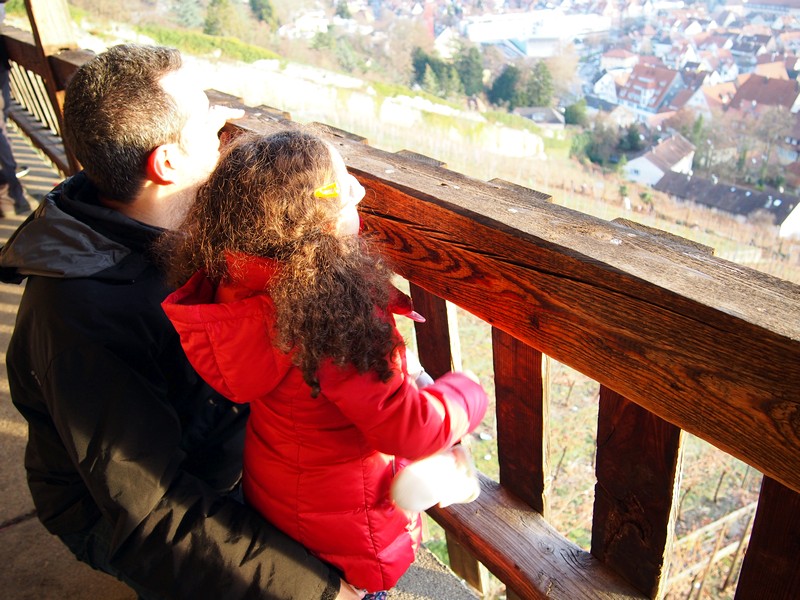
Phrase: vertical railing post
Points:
(638, 478)
(523, 432)
(439, 352)
(771, 566)
(437, 338)
(52, 29)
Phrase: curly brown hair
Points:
(330, 291)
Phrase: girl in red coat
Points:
(284, 306)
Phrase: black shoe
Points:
(22, 171)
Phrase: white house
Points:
(306, 26)
(674, 154)
(605, 87)
(447, 43)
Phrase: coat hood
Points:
(71, 235)
(227, 329)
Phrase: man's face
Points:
(199, 143)
(198, 150)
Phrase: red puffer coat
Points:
(320, 468)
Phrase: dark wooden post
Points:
(638, 461)
(523, 432)
(771, 567)
(52, 29)
(437, 340)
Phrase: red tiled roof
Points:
(720, 95)
(648, 86)
(772, 70)
(759, 90)
(618, 53)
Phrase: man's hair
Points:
(331, 292)
(116, 113)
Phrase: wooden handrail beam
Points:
(707, 345)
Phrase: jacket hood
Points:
(72, 235)
(227, 330)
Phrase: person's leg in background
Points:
(8, 166)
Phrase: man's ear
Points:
(159, 169)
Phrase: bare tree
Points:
(770, 128)
(563, 67)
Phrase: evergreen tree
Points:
(631, 140)
(469, 65)
(189, 13)
(539, 86)
(505, 89)
(218, 18)
(451, 83)
(419, 64)
(264, 11)
(430, 83)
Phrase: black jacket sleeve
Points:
(120, 427)
(173, 534)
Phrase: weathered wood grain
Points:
(518, 545)
(523, 423)
(638, 465)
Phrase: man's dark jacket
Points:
(120, 426)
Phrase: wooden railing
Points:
(679, 340)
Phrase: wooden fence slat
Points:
(523, 432)
(21, 89)
(435, 338)
(638, 460)
(771, 566)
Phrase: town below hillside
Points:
(682, 117)
(698, 100)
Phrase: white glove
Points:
(445, 478)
